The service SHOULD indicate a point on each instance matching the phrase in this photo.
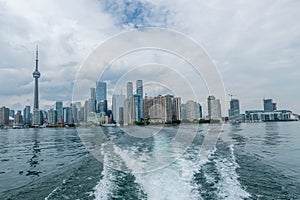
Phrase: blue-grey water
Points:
(250, 161)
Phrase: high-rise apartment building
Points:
(191, 111)
(59, 112)
(27, 116)
(162, 109)
(234, 110)
(129, 89)
(4, 116)
(139, 91)
(214, 109)
(52, 116)
(117, 103)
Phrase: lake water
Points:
(249, 161)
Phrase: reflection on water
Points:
(272, 134)
(236, 134)
(36, 151)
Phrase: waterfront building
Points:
(117, 103)
(269, 105)
(162, 109)
(93, 101)
(11, 113)
(214, 109)
(102, 107)
(139, 91)
(59, 112)
(18, 119)
(52, 116)
(4, 116)
(135, 108)
(234, 110)
(129, 89)
(261, 116)
(27, 116)
(127, 111)
(81, 114)
(101, 91)
(191, 111)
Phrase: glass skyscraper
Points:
(101, 90)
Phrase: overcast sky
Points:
(254, 44)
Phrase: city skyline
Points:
(251, 56)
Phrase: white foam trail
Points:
(172, 182)
(104, 187)
(229, 187)
(51, 193)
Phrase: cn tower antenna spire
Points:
(37, 58)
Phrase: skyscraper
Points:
(214, 109)
(26, 114)
(101, 91)
(59, 112)
(139, 88)
(139, 91)
(191, 111)
(117, 103)
(234, 110)
(4, 116)
(36, 75)
(129, 89)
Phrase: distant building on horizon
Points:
(27, 116)
(191, 111)
(117, 103)
(162, 109)
(129, 89)
(4, 116)
(214, 109)
(269, 105)
(59, 112)
(234, 110)
(140, 92)
(101, 91)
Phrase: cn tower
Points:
(36, 75)
(37, 118)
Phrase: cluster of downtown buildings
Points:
(134, 108)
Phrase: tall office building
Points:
(176, 109)
(26, 116)
(36, 75)
(11, 113)
(59, 112)
(139, 91)
(117, 103)
(52, 116)
(101, 91)
(139, 88)
(93, 100)
(4, 116)
(234, 110)
(129, 89)
(18, 118)
(214, 109)
(269, 105)
(135, 106)
(102, 107)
